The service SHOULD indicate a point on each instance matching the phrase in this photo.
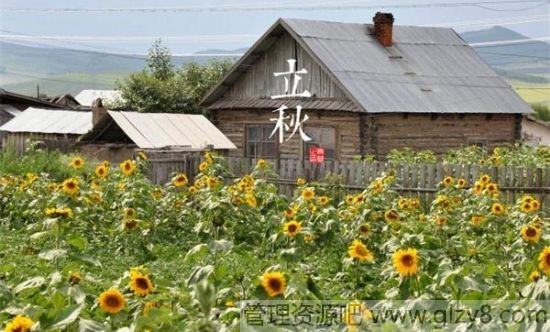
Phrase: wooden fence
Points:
(411, 179)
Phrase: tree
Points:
(161, 88)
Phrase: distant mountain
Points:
(60, 70)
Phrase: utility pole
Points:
(38, 91)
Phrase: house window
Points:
(322, 137)
(258, 143)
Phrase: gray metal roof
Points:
(160, 130)
(10, 109)
(39, 120)
(425, 70)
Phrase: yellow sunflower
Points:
(308, 194)
(141, 284)
(448, 181)
(323, 200)
(261, 164)
(300, 181)
(101, 171)
(491, 188)
(148, 306)
(290, 212)
(106, 163)
(364, 229)
(141, 155)
(349, 199)
(478, 187)
(212, 182)
(203, 166)
(274, 283)
(534, 276)
(180, 180)
(19, 323)
(460, 183)
(129, 213)
(156, 193)
(111, 301)
(70, 186)
(128, 167)
(391, 215)
(76, 163)
(75, 278)
(358, 250)
(356, 314)
(405, 261)
(477, 220)
(531, 233)
(193, 189)
(544, 260)
(441, 220)
(497, 209)
(526, 207)
(536, 205)
(251, 200)
(129, 224)
(485, 179)
(292, 228)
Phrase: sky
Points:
(131, 26)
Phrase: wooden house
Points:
(56, 129)
(535, 132)
(373, 87)
(116, 135)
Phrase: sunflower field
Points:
(98, 247)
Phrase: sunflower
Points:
(76, 163)
(129, 213)
(530, 233)
(544, 260)
(290, 212)
(251, 200)
(148, 306)
(497, 209)
(441, 220)
(358, 250)
(526, 207)
(274, 283)
(356, 314)
(128, 167)
(203, 166)
(377, 186)
(156, 193)
(364, 229)
(209, 158)
(70, 186)
(477, 220)
(309, 238)
(300, 181)
(180, 180)
(478, 187)
(485, 179)
(405, 261)
(460, 183)
(75, 278)
(308, 194)
(261, 164)
(106, 163)
(534, 276)
(491, 188)
(19, 323)
(323, 200)
(141, 284)
(212, 182)
(448, 181)
(292, 228)
(349, 199)
(391, 215)
(359, 199)
(129, 224)
(193, 189)
(111, 301)
(527, 198)
(101, 171)
(141, 155)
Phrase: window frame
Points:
(305, 153)
(247, 126)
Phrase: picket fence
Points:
(411, 179)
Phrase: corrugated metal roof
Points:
(425, 70)
(160, 130)
(38, 120)
(10, 109)
(86, 97)
(315, 104)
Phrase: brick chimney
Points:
(98, 110)
(383, 28)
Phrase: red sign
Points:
(316, 155)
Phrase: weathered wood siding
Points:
(437, 132)
(259, 81)
(233, 124)
(18, 141)
(358, 134)
(114, 154)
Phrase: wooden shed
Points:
(56, 129)
(373, 87)
(117, 134)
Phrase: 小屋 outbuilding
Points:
(374, 87)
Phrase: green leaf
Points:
(197, 252)
(30, 283)
(67, 316)
(52, 254)
(78, 242)
(200, 273)
(77, 294)
(222, 245)
(86, 325)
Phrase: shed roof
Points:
(161, 130)
(13, 111)
(86, 97)
(425, 70)
(39, 120)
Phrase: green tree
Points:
(161, 88)
(542, 112)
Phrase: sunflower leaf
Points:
(52, 254)
(30, 283)
(86, 325)
(67, 316)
